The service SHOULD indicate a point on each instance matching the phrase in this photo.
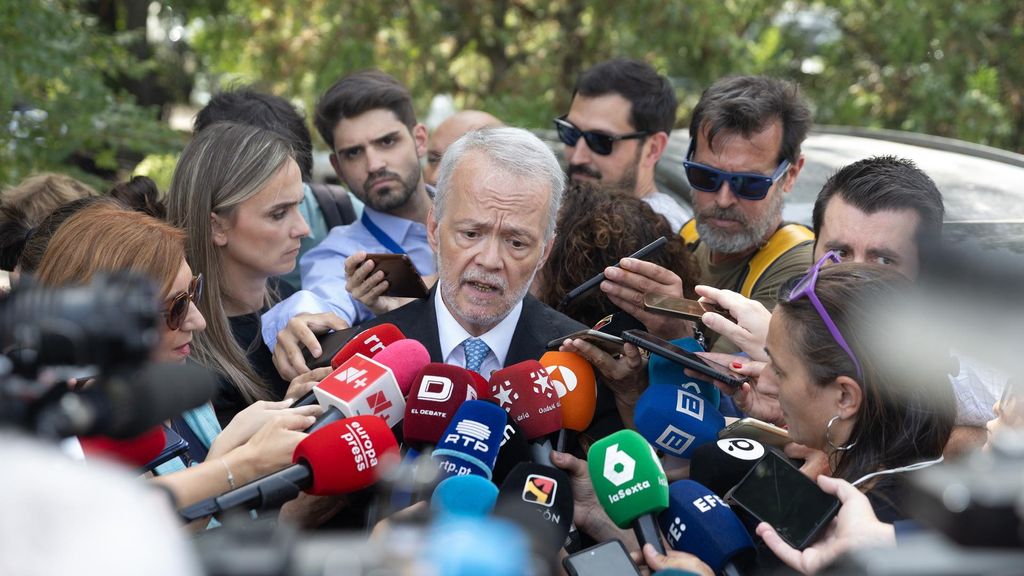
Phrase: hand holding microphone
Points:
(368, 343)
(300, 332)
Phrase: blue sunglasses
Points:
(743, 184)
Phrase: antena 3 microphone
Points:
(574, 380)
(676, 420)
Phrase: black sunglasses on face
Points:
(746, 185)
(598, 142)
(178, 309)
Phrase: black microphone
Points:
(593, 282)
(539, 498)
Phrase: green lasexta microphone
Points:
(630, 484)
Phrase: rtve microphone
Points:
(540, 499)
(136, 452)
(721, 465)
(574, 380)
(471, 496)
(368, 343)
(371, 386)
(437, 392)
(676, 420)
(629, 483)
(699, 522)
(340, 458)
(470, 443)
(661, 370)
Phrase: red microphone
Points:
(480, 384)
(437, 392)
(525, 391)
(368, 343)
(343, 457)
(136, 452)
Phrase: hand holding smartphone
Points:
(688, 359)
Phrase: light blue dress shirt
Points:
(323, 271)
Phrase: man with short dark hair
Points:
(367, 120)
(617, 128)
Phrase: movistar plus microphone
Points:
(676, 420)
(721, 465)
(437, 392)
(514, 450)
(371, 386)
(525, 391)
(368, 343)
(340, 458)
(470, 443)
(661, 370)
(629, 483)
(697, 521)
(470, 495)
(540, 499)
(574, 380)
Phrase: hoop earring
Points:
(828, 437)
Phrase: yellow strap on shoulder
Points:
(785, 239)
(689, 232)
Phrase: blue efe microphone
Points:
(676, 420)
(661, 370)
(470, 496)
(697, 521)
(470, 443)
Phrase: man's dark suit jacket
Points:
(538, 325)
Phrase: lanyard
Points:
(380, 235)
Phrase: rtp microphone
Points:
(539, 498)
(470, 495)
(136, 452)
(676, 420)
(699, 522)
(340, 458)
(470, 443)
(437, 392)
(629, 483)
(661, 370)
(527, 394)
(721, 465)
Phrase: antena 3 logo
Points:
(540, 490)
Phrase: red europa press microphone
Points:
(368, 343)
(437, 392)
(525, 391)
(376, 386)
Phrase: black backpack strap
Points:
(334, 203)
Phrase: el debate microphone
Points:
(698, 522)
(470, 443)
(629, 483)
(661, 370)
(340, 458)
(722, 464)
(540, 499)
(437, 392)
(593, 282)
(676, 420)
(368, 343)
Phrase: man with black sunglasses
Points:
(617, 129)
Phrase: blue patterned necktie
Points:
(476, 350)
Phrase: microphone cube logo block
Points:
(540, 490)
(690, 404)
(674, 440)
(349, 380)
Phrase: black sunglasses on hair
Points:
(598, 142)
(178, 309)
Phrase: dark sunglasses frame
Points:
(177, 311)
(599, 143)
(745, 185)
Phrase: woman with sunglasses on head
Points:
(107, 237)
(236, 192)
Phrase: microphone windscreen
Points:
(574, 380)
(700, 523)
(459, 546)
(540, 499)
(514, 450)
(362, 386)
(627, 477)
(470, 443)
(405, 358)
(137, 401)
(471, 496)
(721, 465)
(368, 343)
(525, 391)
(136, 452)
(437, 392)
(661, 370)
(676, 420)
(480, 385)
(347, 456)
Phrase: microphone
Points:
(368, 343)
(480, 385)
(136, 452)
(721, 465)
(527, 394)
(125, 405)
(377, 386)
(699, 522)
(437, 392)
(470, 443)
(661, 370)
(471, 496)
(540, 499)
(574, 380)
(513, 451)
(676, 420)
(629, 483)
(340, 458)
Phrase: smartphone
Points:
(330, 343)
(607, 342)
(688, 359)
(174, 446)
(606, 559)
(755, 429)
(673, 306)
(776, 492)
(403, 279)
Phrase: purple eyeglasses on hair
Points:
(805, 289)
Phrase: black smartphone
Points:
(330, 343)
(607, 342)
(404, 280)
(688, 359)
(776, 492)
(606, 559)
(174, 446)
